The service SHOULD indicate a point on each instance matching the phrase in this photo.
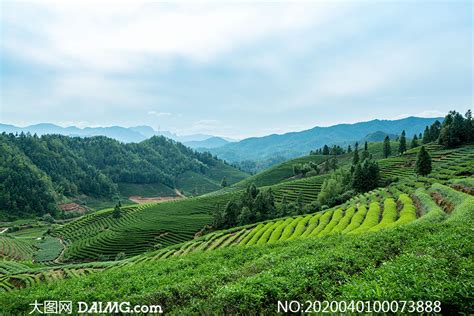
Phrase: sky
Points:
(234, 69)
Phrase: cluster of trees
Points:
(326, 150)
(455, 130)
(363, 176)
(252, 205)
(36, 171)
(312, 168)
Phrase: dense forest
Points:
(35, 172)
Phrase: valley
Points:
(390, 224)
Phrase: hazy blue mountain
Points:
(124, 134)
(295, 144)
(212, 142)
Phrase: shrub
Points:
(345, 220)
(357, 219)
(389, 215)
(337, 216)
(371, 219)
(323, 221)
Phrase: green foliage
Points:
(389, 215)
(117, 212)
(371, 219)
(276, 233)
(337, 183)
(312, 224)
(48, 250)
(323, 221)
(344, 222)
(414, 142)
(336, 217)
(408, 212)
(387, 149)
(250, 206)
(403, 143)
(415, 262)
(366, 176)
(224, 182)
(423, 162)
(357, 219)
(36, 171)
(456, 129)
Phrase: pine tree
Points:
(349, 149)
(224, 182)
(387, 149)
(403, 143)
(117, 212)
(423, 162)
(325, 150)
(355, 159)
(414, 142)
(365, 153)
(426, 136)
(245, 216)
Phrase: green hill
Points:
(53, 168)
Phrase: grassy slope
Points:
(192, 183)
(424, 260)
(279, 173)
(284, 171)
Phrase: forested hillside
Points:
(36, 172)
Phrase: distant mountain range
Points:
(296, 144)
(286, 146)
(212, 142)
(124, 134)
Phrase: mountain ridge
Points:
(292, 144)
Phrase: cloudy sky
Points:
(235, 69)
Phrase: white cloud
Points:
(122, 35)
(157, 113)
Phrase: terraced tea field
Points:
(138, 229)
(13, 248)
(367, 213)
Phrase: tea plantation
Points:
(379, 245)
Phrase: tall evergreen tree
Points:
(387, 149)
(349, 149)
(414, 142)
(224, 182)
(325, 150)
(426, 136)
(423, 162)
(403, 143)
(355, 159)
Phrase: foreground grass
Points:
(425, 260)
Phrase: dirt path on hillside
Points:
(60, 257)
(178, 193)
(4, 230)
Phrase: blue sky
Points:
(236, 69)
